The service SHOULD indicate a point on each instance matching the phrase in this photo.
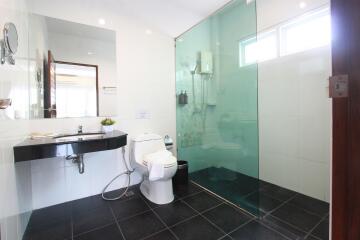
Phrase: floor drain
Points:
(129, 194)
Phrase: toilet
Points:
(148, 151)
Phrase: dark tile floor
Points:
(293, 215)
(194, 215)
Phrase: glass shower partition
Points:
(217, 103)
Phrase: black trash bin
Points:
(182, 175)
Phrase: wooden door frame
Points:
(345, 204)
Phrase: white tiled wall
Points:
(294, 109)
(145, 81)
(15, 180)
(295, 122)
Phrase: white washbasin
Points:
(77, 137)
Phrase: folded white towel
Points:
(156, 164)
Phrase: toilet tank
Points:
(145, 144)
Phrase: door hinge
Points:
(339, 86)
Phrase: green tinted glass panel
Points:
(217, 108)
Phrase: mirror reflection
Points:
(73, 69)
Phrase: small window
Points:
(263, 48)
(306, 32)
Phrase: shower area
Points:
(253, 114)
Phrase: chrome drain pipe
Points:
(79, 160)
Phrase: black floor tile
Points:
(227, 217)
(313, 205)
(174, 212)
(110, 232)
(256, 231)
(93, 218)
(297, 217)
(50, 215)
(310, 237)
(83, 205)
(275, 191)
(130, 207)
(225, 238)
(185, 190)
(202, 201)
(164, 235)
(55, 231)
(285, 229)
(262, 201)
(196, 228)
(141, 226)
(322, 231)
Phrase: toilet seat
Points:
(169, 161)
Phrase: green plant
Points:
(107, 122)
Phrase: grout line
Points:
(190, 195)
(241, 225)
(282, 204)
(157, 215)
(185, 220)
(274, 230)
(117, 223)
(311, 230)
(155, 233)
(94, 229)
(199, 214)
(268, 213)
(131, 216)
(251, 193)
(225, 200)
(71, 223)
(309, 212)
(287, 223)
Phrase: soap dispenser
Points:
(185, 98)
(181, 98)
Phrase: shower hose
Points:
(128, 172)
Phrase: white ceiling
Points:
(172, 17)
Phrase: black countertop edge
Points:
(52, 140)
(34, 149)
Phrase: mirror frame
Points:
(97, 78)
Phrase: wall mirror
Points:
(72, 68)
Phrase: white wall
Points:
(145, 81)
(294, 111)
(15, 180)
(145, 66)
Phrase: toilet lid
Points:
(165, 157)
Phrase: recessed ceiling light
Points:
(90, 53)
(101, 21)
(148, 31)
(302, 5)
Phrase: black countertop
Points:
(32, 149)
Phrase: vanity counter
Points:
(32, 149)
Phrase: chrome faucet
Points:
(80, 129)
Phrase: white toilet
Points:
(147, 151)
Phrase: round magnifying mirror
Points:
(11, 37)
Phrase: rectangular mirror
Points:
(72, 68)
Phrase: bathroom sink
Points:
(68, 144)
(78, 137)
